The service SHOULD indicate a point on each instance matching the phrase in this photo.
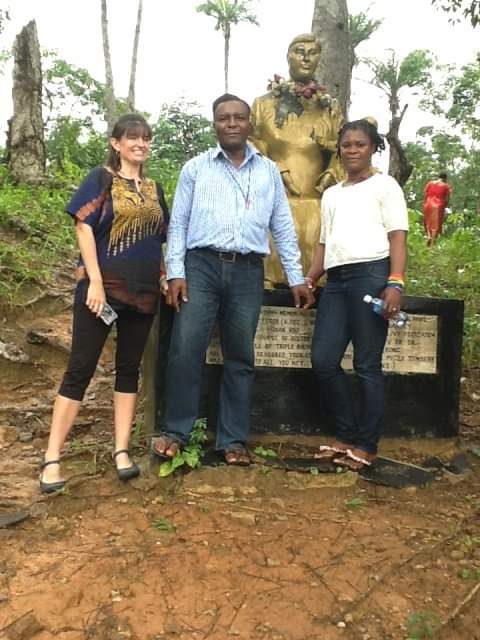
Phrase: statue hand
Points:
(325, 181)
(290, 185)
(326, 143)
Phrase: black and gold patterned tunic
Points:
(129, 227)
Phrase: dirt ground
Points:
(220, 552)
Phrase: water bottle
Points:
(399, 320)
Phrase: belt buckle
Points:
(228, 256)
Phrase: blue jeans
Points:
(342, 316)
(231, 292)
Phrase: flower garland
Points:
(289, 94)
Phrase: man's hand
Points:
(392, 299)
(177, 292)
(290, 185)
(302, 292)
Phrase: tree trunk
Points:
(330, 25)
(226, 56)
(398, 166)
(133, 70)
(25, 143)
(109, 90)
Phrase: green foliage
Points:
(421, 625)
(450, 269)
(227, 13)
(191, 455)
(392, 75)
(163, 525)
(469, 573)
(179, 134)
(439, 151)
(4, 16)
(465, 94)
(356, 504)
(265, 452)
(65, 145)
(362, 26)
(470, 9)
(34, 235)
(69, 89)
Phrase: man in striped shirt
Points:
(227, 201)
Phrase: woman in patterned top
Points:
(120, 222)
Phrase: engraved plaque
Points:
(284, 337)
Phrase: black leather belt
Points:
(232, 256)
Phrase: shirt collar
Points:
(250, 151)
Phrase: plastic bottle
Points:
(399, 320)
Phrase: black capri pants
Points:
(89, 334)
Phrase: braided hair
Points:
(368, 128)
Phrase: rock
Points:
(278, 502)
(433, 462)
(349, 618)
(34, 337)
(455, 478)
(457, 554)
(247, 518)
(25, 628)
(9, 519)
(38, 509)
(208, 489)
(272, 563)
(341, 625)
(26, 436)
(8, 435)
(458, 464)
(248, 490)
(13, 353)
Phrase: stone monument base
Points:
(422, 365)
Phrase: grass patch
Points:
(450, 269)
(35, 234)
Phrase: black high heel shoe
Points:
(50, 487)
(133, 471)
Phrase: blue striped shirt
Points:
(229, 209)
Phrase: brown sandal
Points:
(353, 462)
(327, 453)
(237, 457)
(165, 447)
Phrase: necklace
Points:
(350, 183)
(245, 194)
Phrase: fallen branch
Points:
(468, 598)
(10, 624)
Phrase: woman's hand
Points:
(95, 297)
(392, 301)
(164, 286)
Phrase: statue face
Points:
(303, 59)
(232, 125)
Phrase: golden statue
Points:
(296, 125)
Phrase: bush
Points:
(450, 269)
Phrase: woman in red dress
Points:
(437, 194)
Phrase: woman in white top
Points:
(362, 248)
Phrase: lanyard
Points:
(245, 194)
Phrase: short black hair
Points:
(443, 176)
(228, 97)
(369, 129)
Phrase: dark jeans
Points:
(89, 334)
(343, 316)
(231, 292)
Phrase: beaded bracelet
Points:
(396, 281)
